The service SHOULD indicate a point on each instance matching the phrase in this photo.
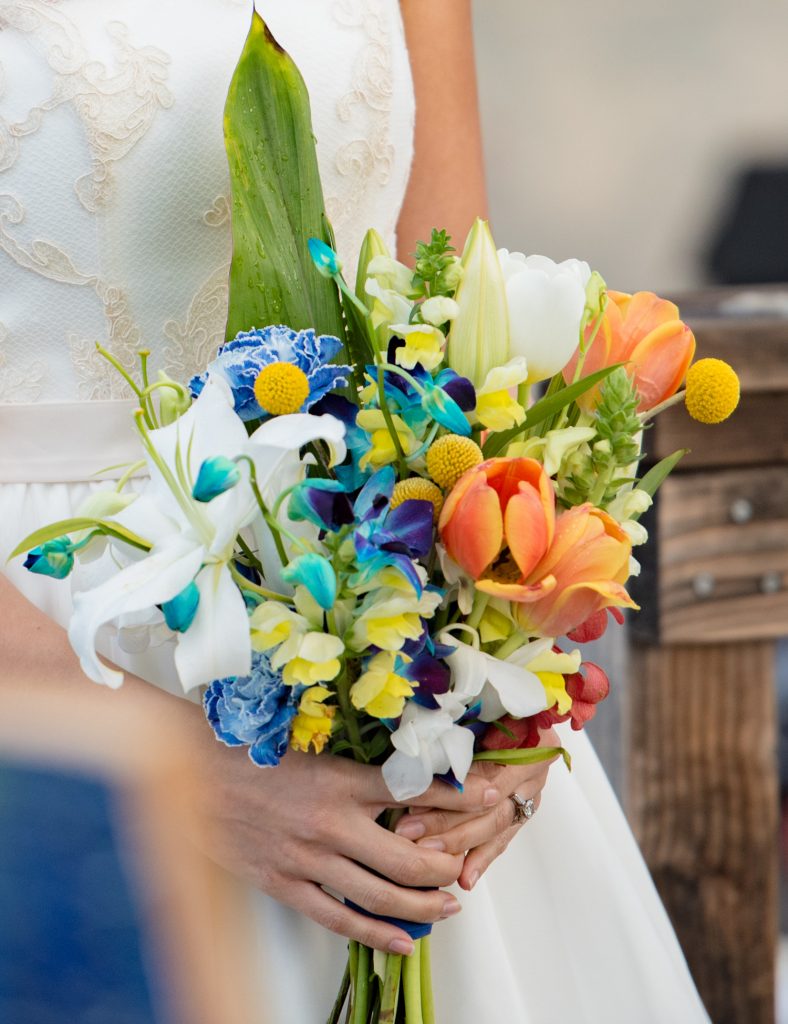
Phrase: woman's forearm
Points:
(35, 653)
(446, 187)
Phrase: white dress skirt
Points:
(114, 227)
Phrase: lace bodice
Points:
(114, 214)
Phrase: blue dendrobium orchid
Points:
(357, 440)
(324, 258)
(317, 574)
(240, 361)
(390, 537)
(180, 610)
(55, 558)
(418, 398)
(255, 711)
(322, 502)
(433, 676)
(216, 476)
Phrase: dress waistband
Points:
(65, 442)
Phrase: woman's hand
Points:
(288, 830)
(484, 836)
(310, 823)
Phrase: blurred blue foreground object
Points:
(70, 928)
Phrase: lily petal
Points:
(217, 645)
(142, 585)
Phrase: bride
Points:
(114, 226)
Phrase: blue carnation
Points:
(240, 361)
(255, 711)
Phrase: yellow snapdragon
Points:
(314, 721)
(380, 691)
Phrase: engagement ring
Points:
(523, 809)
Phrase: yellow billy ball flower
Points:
(712, 391)
(281, 388)
(451, 456)
(418, 489)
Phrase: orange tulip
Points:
(644, 332)
(498, 523)
(589, 564)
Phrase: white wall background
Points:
(613, 128)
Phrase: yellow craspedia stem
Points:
(281, 388)
(418, 489)
(451, 456)
(712, 390)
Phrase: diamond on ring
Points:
(524, 810)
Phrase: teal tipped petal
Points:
(324, 258)
(179, 612)
(216, 476)
(55, 558)
(444, 410)
(316, 574)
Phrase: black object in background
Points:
(751, 244)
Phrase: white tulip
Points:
(546, 301)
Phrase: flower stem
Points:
(393, 368)
(346, 707)
(361, 1002)
(514, 643)
(657, 409)
(411, 985)
(273, 524)
(245, 584)
(391, 987)
(339, 1002)
(403, 466)
(427, 998)
(480, 602)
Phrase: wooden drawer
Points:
(716, 566)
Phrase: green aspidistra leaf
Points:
(277, 198)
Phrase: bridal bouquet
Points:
(362, 529)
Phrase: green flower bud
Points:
(479, 336)
(174, 400)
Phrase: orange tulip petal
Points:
(569, 530)
(473, 535)
(526, 528)
(565, 611)
(520, 593)
(643, 313)
(661, 361)
(457, 493)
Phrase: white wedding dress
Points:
(114, 227)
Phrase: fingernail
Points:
(432, 844)
(491, 797)
(450, 908)
(474, 879)
(410, 829)
(404, 947)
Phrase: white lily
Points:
(509, 686)
(193, 542)
(479, 335)
(546, 301)
(428, 742)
